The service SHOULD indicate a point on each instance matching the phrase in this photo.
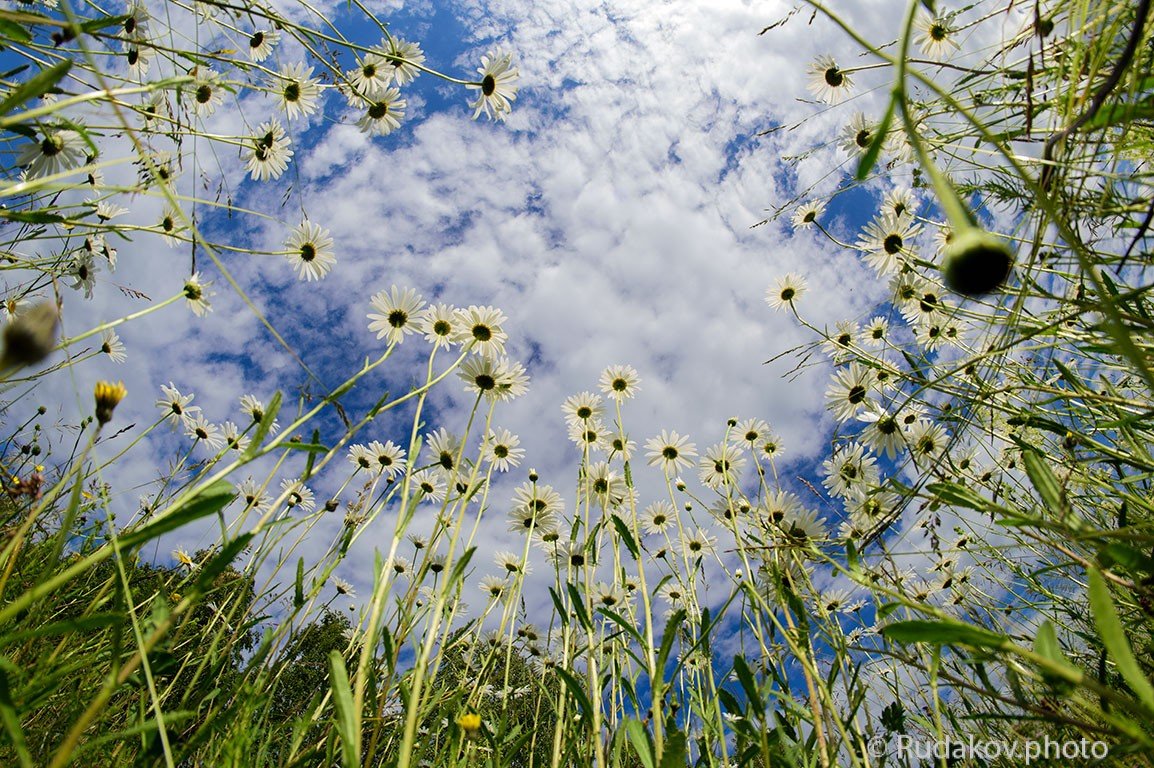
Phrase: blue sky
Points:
(611, 218)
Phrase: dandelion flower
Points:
(828, 82)
(398, 313)
(297, 91)
(310, 251)
(785, 291)
(107, 396)
(383, 113)
(497, 88)
(271, 151)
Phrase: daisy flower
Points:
(926, 439)
(207, 93)
(81, 272)
(271, 152)
(254, 408)
(298, 495)
(497, 88)
(850, 470)
(840, 345)
(56, 152)
(430, 485)
(770, 445)
(804, 525)
(261, 43)
(310, 251)
(849, 392)
(360, 457)
(139, 58)
(658, 517)
(672, 451)
(230, 432)
(493, 586)
(136, 22)
(527, 518)
(886, 241)
(389, 459)
(439, 323)
(511, 562)
(252, 494)
(900, 202)
(721, 465)
(603, 485)
(111, 345)
(747, 433)
(620, 382)
(828, 82)
(537, 499)
(875, 332)
(582, 407)
(607, 595)
(924, 304)
(696, 543)
(106, 211)
(174, 405)
(481, 327)
(196, 295)
(805, 217)
(443, 448)
(495, 378)
(935, 36)
(371, 77)
(297, 92)
(500, 449)
(858, 134)
(404, 59)
(787, 288)
(383, 113)
(398, 313)
(199, 430)
(590, 435)
(883, 433)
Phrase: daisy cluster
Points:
(174, 90)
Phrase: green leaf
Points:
(958, 495)
(348, 720)
(1132, 560)
(33, 217)
(1044, 482)
(579, 607)
(620, 621)
(1114, 638)
(264, 427)
(11, 720)
(576, 691)
(943, 633)
(11, 31)
(669, 636)
(299, 584)
(95, 25)
(206, 502)
(870, 157)
(639, 738)
(80, 624)
(626, 536)
(673, 755)
(748, 683)
(34, 87)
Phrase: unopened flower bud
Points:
(976, 262)
(108, 396)
(30, 336)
